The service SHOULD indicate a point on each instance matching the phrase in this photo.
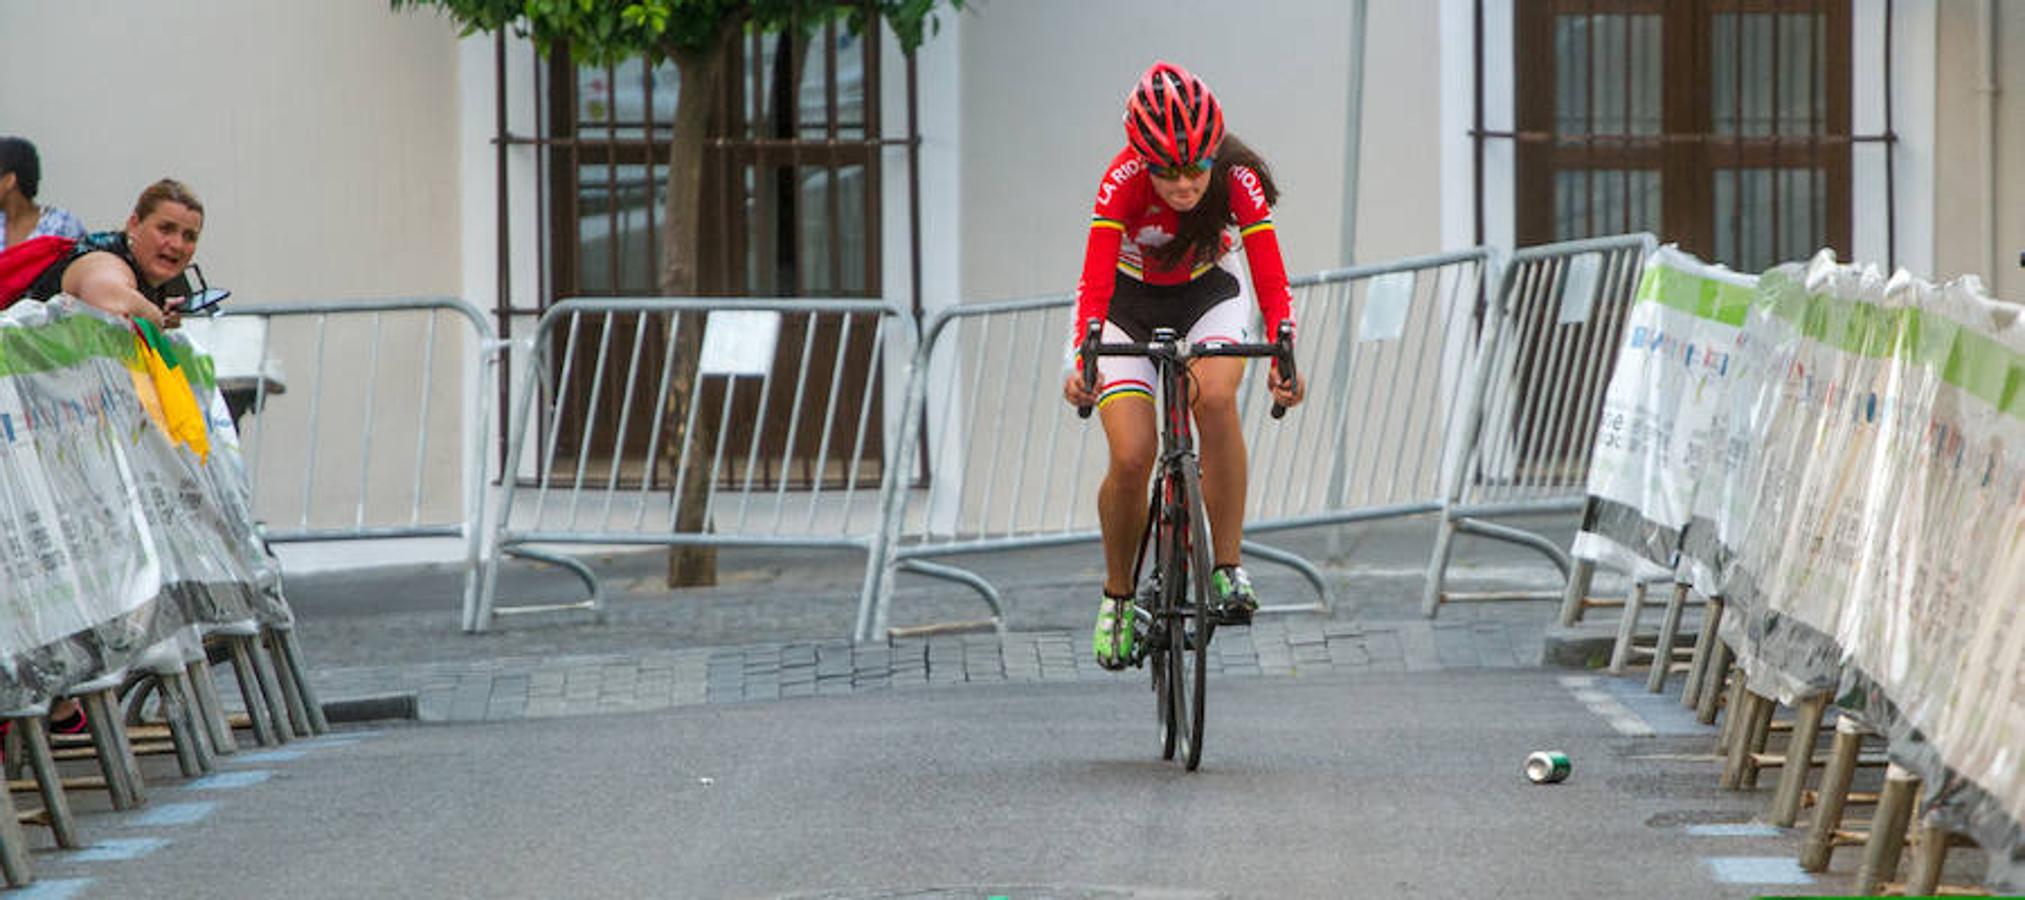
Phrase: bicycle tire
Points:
(1163, 704)
(1199, 559)
(1177, 675)
(1165, 648)
(1183, 522)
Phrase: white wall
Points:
(1964, 194)
(1908, 242)
(321, 134)
(322, 137)
(1400, 186)
(1044, 86)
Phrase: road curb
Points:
(374, 708)
(1585, 645)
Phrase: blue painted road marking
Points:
(228, 780)
(173, 814)
(1741, 829)
(59, 889)
(118, 849)
(1757, 870)
(270, 756)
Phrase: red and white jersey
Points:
(1130, 220)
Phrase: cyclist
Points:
(1159, 256)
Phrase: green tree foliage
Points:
(611, 31)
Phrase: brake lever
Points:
(1283, 360)
(1091, 335)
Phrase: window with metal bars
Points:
(790, 207)
(1722, 125)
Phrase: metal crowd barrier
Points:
(784, 443)
(1384, 348)
(1531, 423)
(366, 385)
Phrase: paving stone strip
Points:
(512, 688)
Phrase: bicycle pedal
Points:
(1234, 615)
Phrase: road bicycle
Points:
(1174, 602)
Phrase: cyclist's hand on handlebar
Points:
(1077, 393)
(1286, 392)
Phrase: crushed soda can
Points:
(1547, 766)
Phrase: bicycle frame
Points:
(1177, 528)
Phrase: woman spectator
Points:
(138, 271)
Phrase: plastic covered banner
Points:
(1865, 516)
(1662, 428)
(114, 534)
(1931, 631)
(1806, 482)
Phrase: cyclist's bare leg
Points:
(1221, 443)
(1121, 500)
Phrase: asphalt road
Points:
(1383, 785)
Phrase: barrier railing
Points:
(1530, 430)
(616, 431)
(1386, 348)
(367, 386)
(1831, 456)
(124, 513)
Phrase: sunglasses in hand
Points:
(199, 298)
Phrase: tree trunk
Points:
(680, 276)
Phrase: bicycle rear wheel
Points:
(1163, 696)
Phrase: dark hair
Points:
(1201, 228)
(167, 190)
(17, 156)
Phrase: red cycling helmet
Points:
(1172, 119)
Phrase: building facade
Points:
(348, 151)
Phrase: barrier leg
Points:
(284, 678)
(1799, 760)
(115, 758)
(249, 691)
(1930, 853)
(291, 661)
(1740, 735)
(270, 689)
(1575, 601)
(1627, 627)
(1761, 734)
(975, 581)
(1705, 645)
(1712, 683)
(1733, 691)
(49, 781)
(1835, 779)
(1662, 648)
(181, 724)
(1437, 566)
(1887, 829)
(1301, 567)
(210, 708)
(13, 844)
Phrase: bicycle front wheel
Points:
(1170, 647)
(1164, 687)
(1195, 663)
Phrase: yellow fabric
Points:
(166, 394)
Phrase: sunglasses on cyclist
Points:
(1186, 170)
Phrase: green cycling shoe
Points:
(1235, 600)
(1115, 641)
